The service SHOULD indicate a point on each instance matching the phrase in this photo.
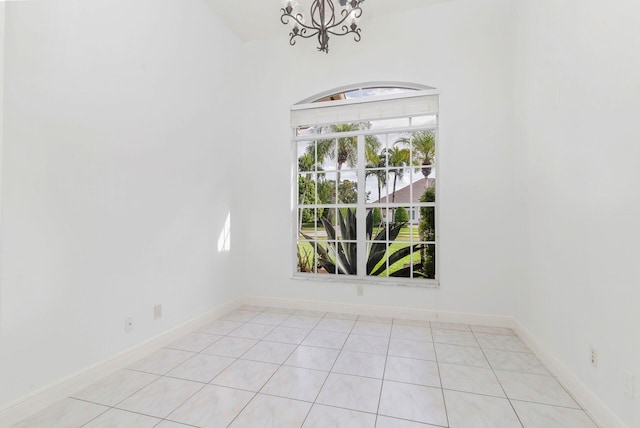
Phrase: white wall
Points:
(579, 93)
(117, 129)
(2, 33)
(461, 47)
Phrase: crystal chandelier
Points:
(325, 20)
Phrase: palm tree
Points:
(424, 149)
(399, 158)
(342, 150)
(375, 159)
(306, 163)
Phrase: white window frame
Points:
(307, 108)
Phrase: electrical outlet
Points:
(594, 357)
(128, 324)
(157, 312)
(360, 290)
(628, 383)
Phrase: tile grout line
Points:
(280, 366)
(499, 383)
(330, 370)
(384, 372)
(199, 353)
(314, 328)
(444, 401)
(203, 386)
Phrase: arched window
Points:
(365, 184)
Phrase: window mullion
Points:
(361, 214)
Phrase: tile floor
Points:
(268, 367)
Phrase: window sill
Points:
(346, 279)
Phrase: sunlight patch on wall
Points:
(224, 241)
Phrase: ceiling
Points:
(258, 19)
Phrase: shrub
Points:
(401, 215)
(427, 231)
(377, 216)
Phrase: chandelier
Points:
(325, 20)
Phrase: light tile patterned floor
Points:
(268, 367)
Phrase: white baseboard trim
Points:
(382, 311)
(44, 397)
(596, 408)
(29, 404)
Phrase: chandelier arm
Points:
(303, 34)
(346, 13)
(346, 30)
(321, 25)
(300, 23)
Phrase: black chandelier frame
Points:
(324, 21)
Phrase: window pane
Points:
(326, 188)
(326, 154)
(370, 92)
(376, 150)
(423, 150)
(399, 259)
(346, 228)
(348, 188)
(306, 189)
(379, 224)
(307, 218)
(414, 226)
(325, 257)
(347, 152)
(306, 156)
(329, 223)
(398, 189)
(376, 258)
(306, 130)
(306, 257)
(401, 216)
(345, 249)
(338, 257)
(375, 185)
(426, 224)
(426, 193)
(347, 258)
(426, 267)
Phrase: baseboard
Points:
(44, 397)
(383, 311)
(29, 404)
(596, 408)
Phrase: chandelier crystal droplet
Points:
(324, 20)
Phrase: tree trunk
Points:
(393, 197)
(304, 196)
